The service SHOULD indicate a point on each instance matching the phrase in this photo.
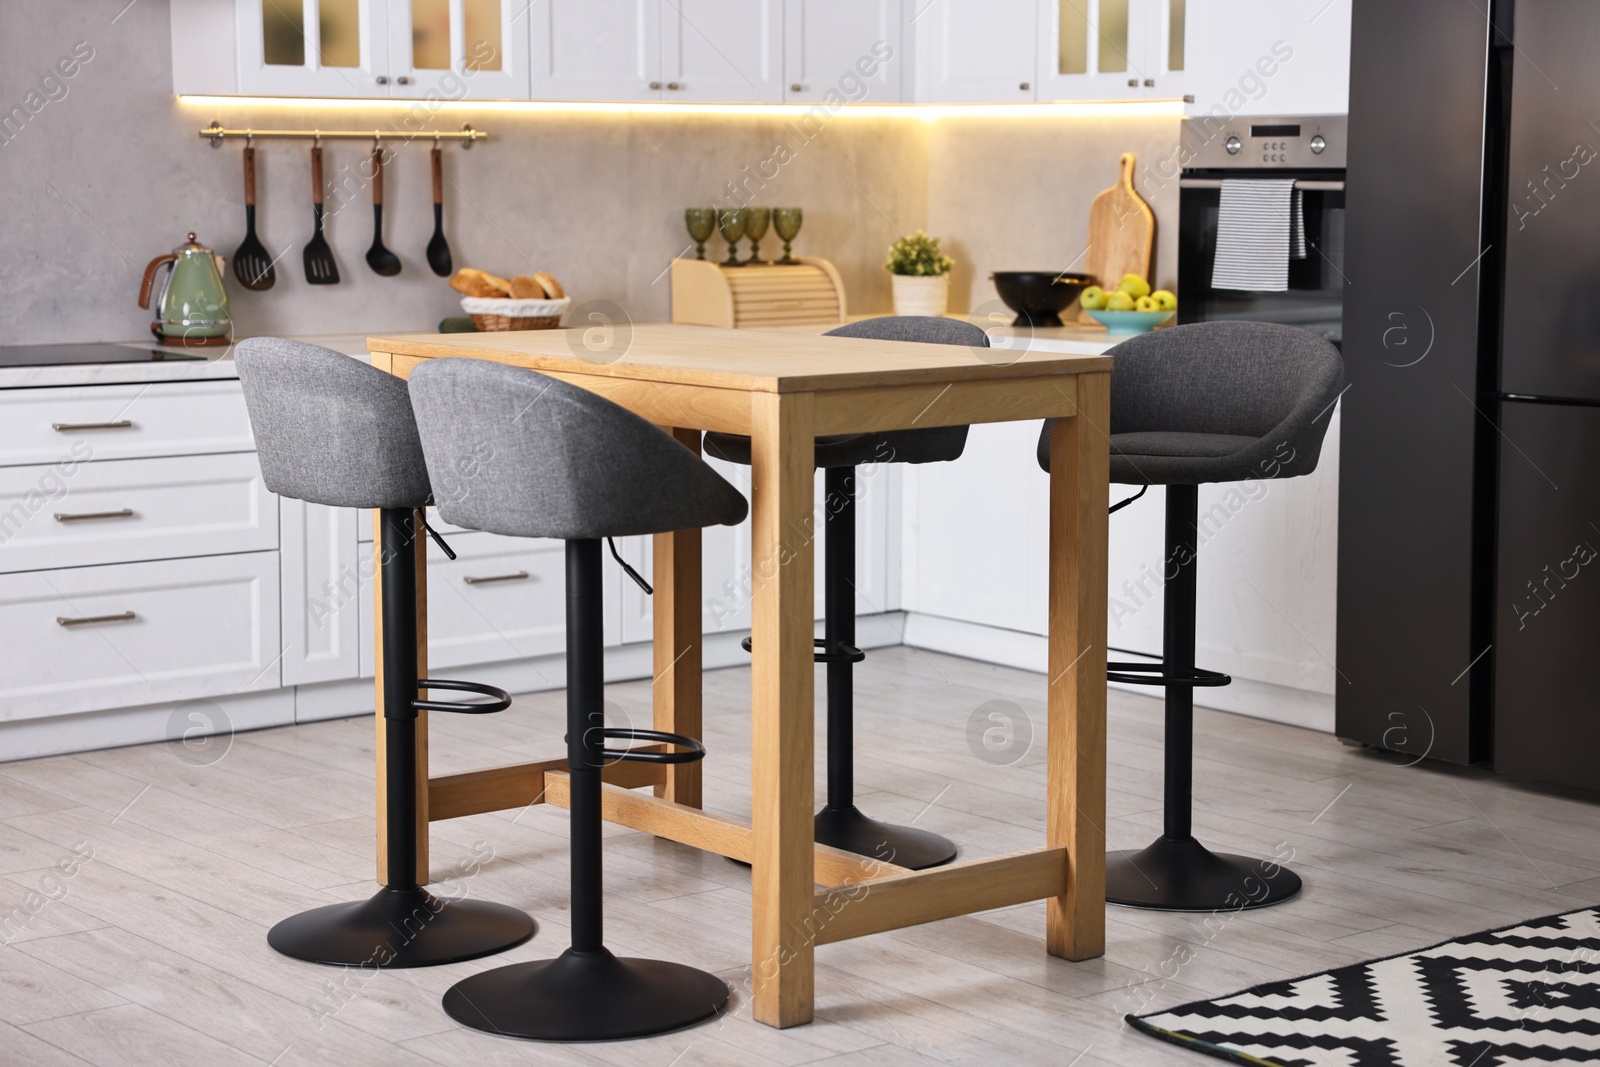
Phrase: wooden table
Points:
(782, 390)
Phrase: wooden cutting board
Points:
(1122, 231)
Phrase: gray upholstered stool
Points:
(840, 823)
(331, 430)
(520, 454)
(1206, 402)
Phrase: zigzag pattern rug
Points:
(1528, 993)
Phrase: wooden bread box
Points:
(757, 297)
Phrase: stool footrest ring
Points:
(838, 654)
(1157, 674)
(695, 750)
(499, 699)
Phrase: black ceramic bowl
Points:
(1038, 296)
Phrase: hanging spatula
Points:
(438, 248)
(251, 264)
(320, 267)
(379, 258)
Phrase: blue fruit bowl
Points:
(1130, 322)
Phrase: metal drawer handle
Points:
(515, 577)
(87, 516)
(92, 620)
(79, 427)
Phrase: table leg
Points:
(675, 565)
(1076, 816)
(781, 697)
(418, 546)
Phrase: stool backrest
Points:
(1250, 379)
(924, 328)
(522, 454)
(329, 428)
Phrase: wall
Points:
(112, 174)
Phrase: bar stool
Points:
(523, 455)
(332, 430)
(1205, 402)
(840, 823)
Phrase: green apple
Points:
(1092, 299)
(1119, 301)
(1165, 299)
(1134, 286)
(1146, 303)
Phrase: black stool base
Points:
(903, 846)
(1183, 875)
(586, 996)
(401, 928)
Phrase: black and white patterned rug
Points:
(1529, 993)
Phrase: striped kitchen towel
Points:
(1260, 226)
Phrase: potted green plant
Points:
(921, 275)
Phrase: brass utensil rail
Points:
(216, 133)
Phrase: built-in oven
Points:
(1310, 151)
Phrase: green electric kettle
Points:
(193, 306)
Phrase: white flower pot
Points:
(915, 295)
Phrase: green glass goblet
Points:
(731, 223)
(702, 223)
(786, 221)
(756, 220)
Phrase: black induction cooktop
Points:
(65, 355)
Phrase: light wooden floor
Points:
(154, 950)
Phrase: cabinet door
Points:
(312, 47)
(850, 48)
(321, 592)
(595, 49)
(1092, 49)
(722, 51)
(1266, 57)
(457, 49)
(975, 52)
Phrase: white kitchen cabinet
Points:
(70, 425)
(1270, 57)
(456, 49)
(595, 49)
(843, 50)
(975, 51)
(320, 591)
(87, 638)
(305, 47)
(722, 51)
(1114, 49)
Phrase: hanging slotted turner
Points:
(251, 263)
(320, 267)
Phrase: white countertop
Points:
(218, 363)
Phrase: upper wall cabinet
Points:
(455, 49)
(851, 48)
(975, 51)
(310, 47)
(685, 51)
(1113, 49)
(1271, 57)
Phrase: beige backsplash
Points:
(113, 174)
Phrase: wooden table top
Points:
(745, 360)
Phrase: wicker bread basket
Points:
(494, 315)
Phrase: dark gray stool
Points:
(524, 455)
(1206, 402)
(332, 430)
(840, 823)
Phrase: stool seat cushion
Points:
(1218, 402)
(937, 444)
(518, 453)
(330, 428)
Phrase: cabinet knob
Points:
(1149, 83)
(674, 86)
(383, 79)
(655, 85)
(1188, 98)
(1133, 83)
(403, 80)
(797, 88)
(1025, 86)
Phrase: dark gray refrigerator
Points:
(1469, 558)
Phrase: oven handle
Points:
(1307, 185)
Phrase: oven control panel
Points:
(1257, 142)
